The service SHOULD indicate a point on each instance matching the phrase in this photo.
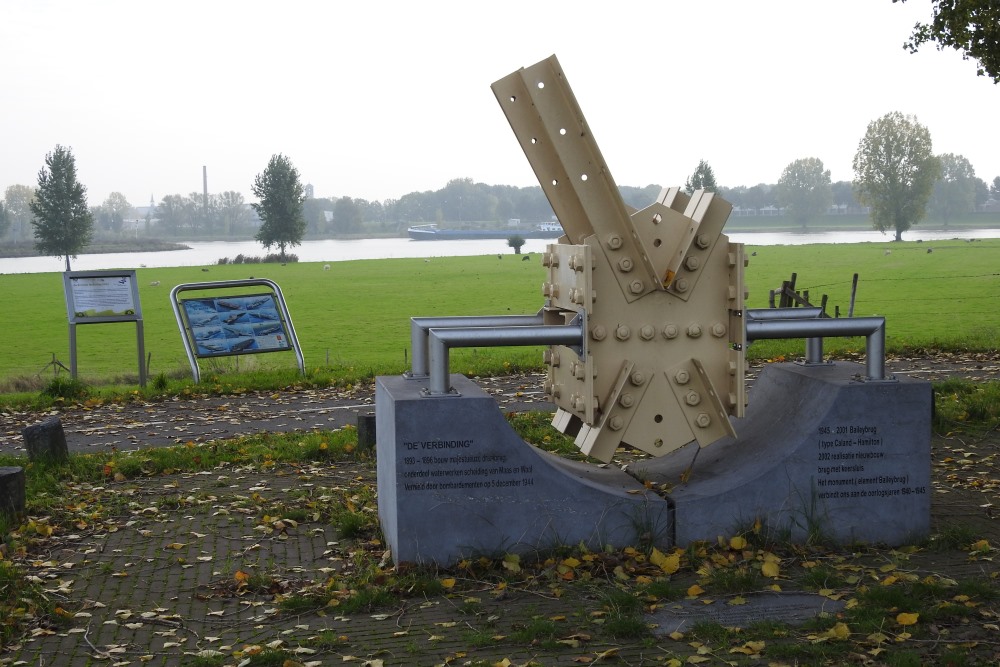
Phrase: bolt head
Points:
(636, 287)
(682, 377)
(692, 398)
(703, 420)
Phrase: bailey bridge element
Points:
(645, 328)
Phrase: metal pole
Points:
(420, 326)
(814, 350)
(440, 341)
(783, 313)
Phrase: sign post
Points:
(97, 297)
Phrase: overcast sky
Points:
(380, 98)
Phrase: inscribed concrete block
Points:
(455, 481)
(820, 454)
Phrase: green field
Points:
(356, 315)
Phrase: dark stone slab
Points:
(12, 493)
(366, 431)
(455, 481)
(46, 441)
(790, 608)
(819, 455)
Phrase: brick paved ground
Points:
(156, 584)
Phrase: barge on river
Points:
(431, 232)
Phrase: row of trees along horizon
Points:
(896, 194)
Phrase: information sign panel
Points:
(235, 325)
(101, 296)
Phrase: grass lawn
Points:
(356, 315)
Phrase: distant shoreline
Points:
(735, 225)
(149, 245)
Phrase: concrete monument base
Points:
(455, 481)
(820, 454)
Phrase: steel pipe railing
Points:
(783, 313)
(872, 328)
(814, 346)
(420, 326)
(440, 342)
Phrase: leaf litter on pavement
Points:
(249, 558)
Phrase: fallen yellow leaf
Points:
(907, 619)
(669, 564)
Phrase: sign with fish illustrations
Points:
(231, 323)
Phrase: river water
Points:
(207, 253)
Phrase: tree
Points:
(17, 200)
(346, 216)
(516, 242)
(894, 171)
(170, 212)
(233, 211)
(995, 188)
(112, 213)
(843, 197)
(63, 223)
(280, 206)
(758, 196)
(804, 190)
(971, 27)
(4, 219)
(954, 191)
(703, 178)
